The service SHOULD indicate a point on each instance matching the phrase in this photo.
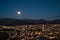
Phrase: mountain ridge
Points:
(13, 21)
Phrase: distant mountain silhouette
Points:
(11, 21)
(53, 18)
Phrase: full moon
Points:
(19, 12)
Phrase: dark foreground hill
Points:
(11, 21)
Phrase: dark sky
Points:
(32, 9)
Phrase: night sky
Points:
(31, 9)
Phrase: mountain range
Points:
(12, 21)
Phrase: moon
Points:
(18, 12)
